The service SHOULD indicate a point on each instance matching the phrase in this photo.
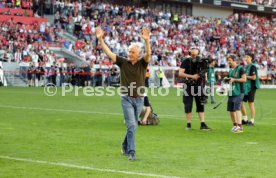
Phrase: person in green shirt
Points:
(251, 85)
(236, 78)
(18, 3)
(212, 79)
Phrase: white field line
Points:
(174, 117)
(177, 117)
(84, 167)
(59, 110)
(251, 143)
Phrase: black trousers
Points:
(191, 92)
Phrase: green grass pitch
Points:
(80, 136)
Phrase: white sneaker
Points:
(238, 129)
(234, 128)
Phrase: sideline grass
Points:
(57, 132)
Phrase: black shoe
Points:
(124, 151)
(250, 123)
(244, 122)
(131, 157)
(188, 128)
(205, 128)
(213, 102)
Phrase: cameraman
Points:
(192, 88)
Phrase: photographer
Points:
(236, 78)
(193, 87)
(147, 117)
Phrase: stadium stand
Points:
(22, 19)
(171, 37)
(257, 2)
(171, 40)
(24, 4)
(16, 12)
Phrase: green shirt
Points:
(132, 76)
(211, 76)
(160, 74)
(251, 70)
(236, 88)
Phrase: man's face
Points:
(133, 53)
(194, 52)
(213, 63)
(230, 62)
(248, 59)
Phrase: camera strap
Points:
(190, 66)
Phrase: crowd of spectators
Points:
(171, 39)
(60, 74)
(257, 2)
(28, 42)
(23, 4)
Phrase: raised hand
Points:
(99, 33)
(145, 34)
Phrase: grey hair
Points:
(138, 46)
